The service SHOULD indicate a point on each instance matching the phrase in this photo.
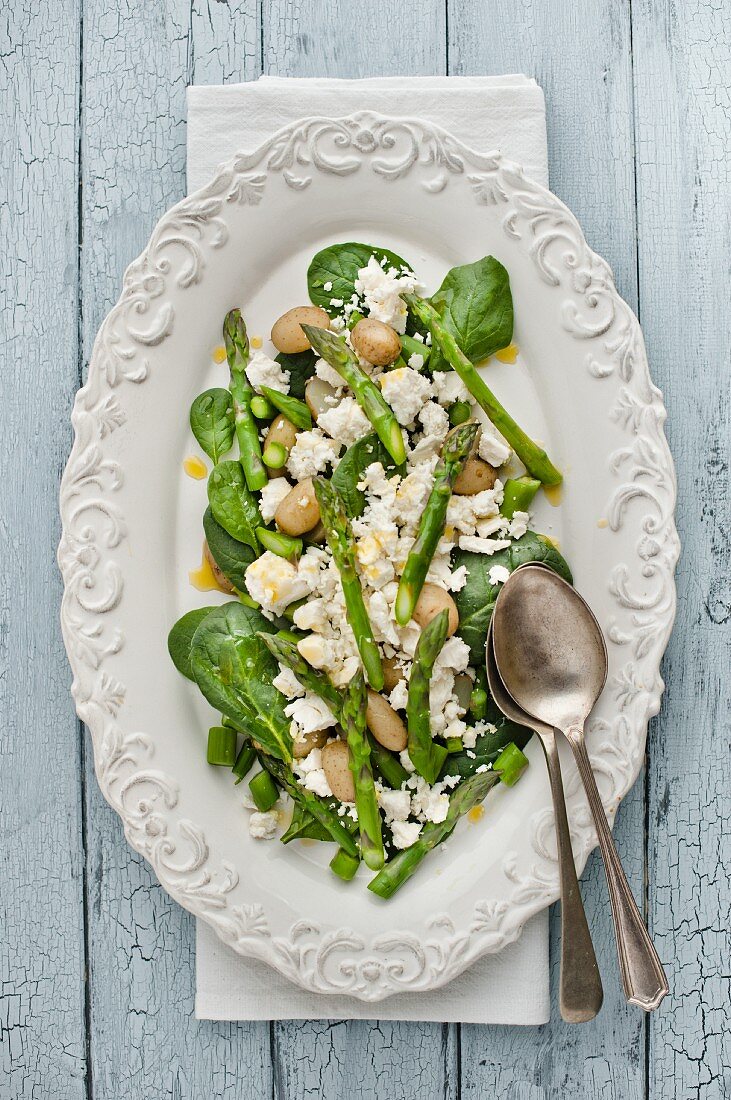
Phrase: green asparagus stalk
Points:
(426, 755)
(311, 802)
(455, 452)
(388, 766)
(410, 346)
(237, 352)
(533, 457)
(344, 865)
(353, 721)
(518, 493)
(340, 540)
(284, 546)
(463, 799)
(294, 409)
(335, 351)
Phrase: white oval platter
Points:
(131, 533)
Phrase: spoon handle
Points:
(580, 994)
(643, 977)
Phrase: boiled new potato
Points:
(376, 341)
(320, 396)
(283, 431)
(385, 724)
(476, 475)
(392, 673)
(431, 601)
(287, 334)
(221, 579)
(309, 741)
(298, 511)
(336, 765)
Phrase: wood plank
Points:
(581, 56)
(42, 1039)
(138, 59)
(404, 1060)
(682, 62)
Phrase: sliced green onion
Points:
(286, 546)
(264, 791)
(275, 455)
(510, 764)
(221, 746)
(344, 865)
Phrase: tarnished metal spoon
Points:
(580, 984)
(552, 659)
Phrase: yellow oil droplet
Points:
(602, 523)
(256, 341)
(508, 354)
(554, 494)
(195, 467)
(553, 541)
(219, 354)
(476, 814)
(203, 578)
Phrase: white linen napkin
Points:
(496, 112)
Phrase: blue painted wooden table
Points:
(96, 963)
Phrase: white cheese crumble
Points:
(449, 387)
(286, 682)
(274, 582)
(396, 805)
(263, 371)
(416, 361)
(328, 374)
(405, 390)
(346, 422)
(272, 496)
(309, 714)
(327, 287)
(482, 546)
(434, 419)
(263, 826)
(519, 524)
(380, 289)
(498, 574)
(405, 833)
(492, 447)
(311, 454)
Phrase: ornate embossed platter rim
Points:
(639, 507)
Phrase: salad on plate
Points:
(368, 497)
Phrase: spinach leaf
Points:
(349, 471)
(488, 747)
(476, 305)
(233, 506)
(303, 826)
(181, 636)
(339, 264)
(301, 367)
(212, 422)
(476, 601)
(234, 671)
(231, 556)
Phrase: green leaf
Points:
(231, 556)
(234, 671)
(352, 466)
(233, 506)
(476, 601)
(212, 422)
(181, 636)
(476, 305)
(339, 264)
(301, 367)
(488, 747)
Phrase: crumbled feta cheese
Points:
(396, 805)
(311, 454)
(263, 826)
(272, 496)
(405, 833)
(263, 371)
(434, 419)
(399, 696)
(328, 374)
(519, 524)
(406, 761)
(492, 447)
(405, 390)
(488, 527)
(454, 654)
(327, 287)
(346, 422)
(310, 774)
(311, 615)
(286, 682)
(449, 387)
(310, 713)
(498, 574)
(416, 361)
(314, 649)
(274, 582)
(336, 302)
(380, 289)
(458, 579)
(482, 546)
(379, 614)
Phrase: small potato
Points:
(336, 765)
(385, 724)
(317, 535)
(376, 342)
(287, 334)
(314, 740)
(299, 511)
(431, 601)
(476, 475)
(392, 673)
(281, 431)
(221, 579)
(320, 396)
(463, 689)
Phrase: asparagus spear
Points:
(455, 452)
(353, 721)
(340, 540)
(464, 798)
(518, 493)
(336, 352)
(533, 457)
(426, 755)
(247, 433)
(291, 407)
(311, 802)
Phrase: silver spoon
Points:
(552, 659)
(580, 989)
